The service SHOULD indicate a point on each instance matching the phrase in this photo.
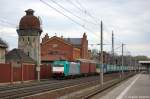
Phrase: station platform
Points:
(137, 87)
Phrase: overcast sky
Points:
(129, 19)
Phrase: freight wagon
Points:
(111, 68)
(82, 67)
(66, 69)
(87, 67)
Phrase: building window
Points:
(28, 53)
(28, 39)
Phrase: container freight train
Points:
(65, 69)
(112, 68)
(83, 67)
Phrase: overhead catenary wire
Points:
(73, 13)
(83, 26)
(75, 5)
(88, 13)
(80, 4)
(98, 44)
(76, 16)
(83, 10)
(7, 22)
(62, 13)
(70, 18)
(106, 28)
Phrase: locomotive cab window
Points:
(58, 65)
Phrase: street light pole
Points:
(113, 58)
(38, 59)
(101, 43)
(122, 59)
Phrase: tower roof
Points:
(29, 21)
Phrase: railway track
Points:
(98, 89)
(29, 90)
(23, 85)
(16, 86)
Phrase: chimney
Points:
(45, 38)
(84, 36)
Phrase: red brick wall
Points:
(55, 49)
(76, 53)
(29, 71)
(16, 73)
(46, 71)
(5, 73)
(9, 73)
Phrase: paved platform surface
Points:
(137, 87)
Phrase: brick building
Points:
(3, 47)
(56, 48)
(106, 57)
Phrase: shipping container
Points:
(118, 68)
(108, 68)
(115, 68)
(104, 68)
(74, 68)
(84, 68)
(92, 67)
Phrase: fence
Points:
(20, 73)
(46, 71)
(9, 73)
(5, 73)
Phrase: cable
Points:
(79, 4)
(9, 23)
(66, 15)
(98, 44)
(83, 26)
(83, 11)
(75, 5)
(62, 13)
(73, 13)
